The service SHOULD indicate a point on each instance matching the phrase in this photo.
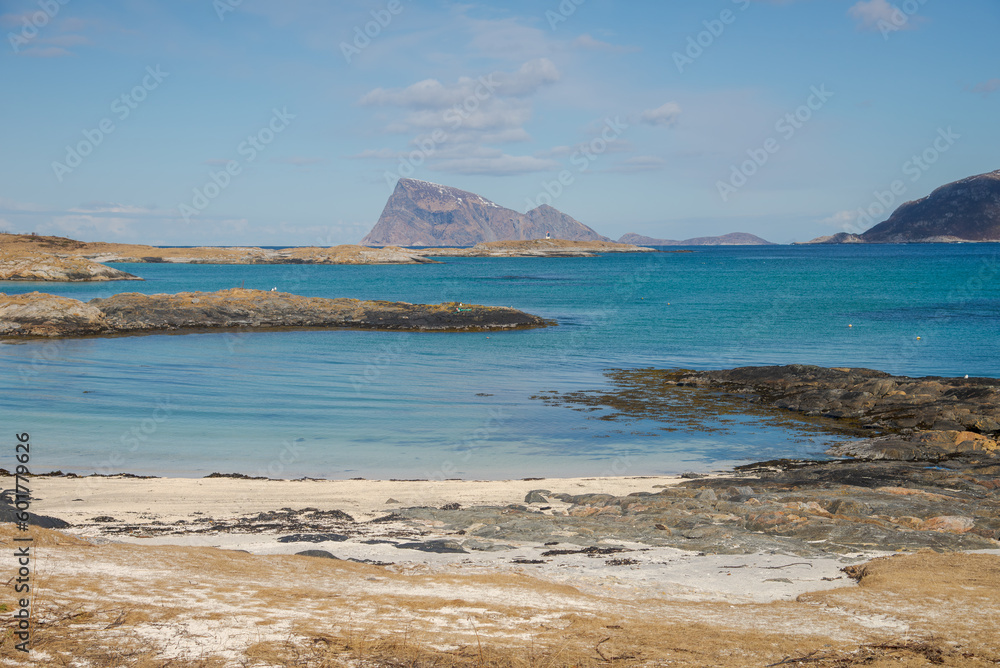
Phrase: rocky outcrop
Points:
(44, 267)
(347, 254)
(966, 210)
(807, 509)
(874, 401)
(927, 473)
(419, 213)
(549, 220)
(45, 253)
(537, 248)
(734, 239)
(898, 418)
(38, 314)
(838, 238)
(59, 250)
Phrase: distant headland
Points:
(967, 210)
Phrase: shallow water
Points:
(345, 404)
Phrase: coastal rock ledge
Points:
(38, 314)
(46, 267)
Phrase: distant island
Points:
(964, 211)
(734, 239)
(537, 248)
(420, 213)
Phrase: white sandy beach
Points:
(170, 499)
(235, 596)
(660, 571)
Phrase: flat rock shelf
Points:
(39, 314)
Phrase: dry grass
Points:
(127, 605)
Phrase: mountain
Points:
(966, 210)
(734, 239)
(420, 213)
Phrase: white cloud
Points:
(375, 154)
(663, 116)
(845, 221)
(639, 163)
(589, 42)
(505, 39)
(501, 165)
(880, 15)
(45, 52)
(298, 160)
(987, 87)
(432, 94)
(466, 117)
(55, 39)
(531, 76)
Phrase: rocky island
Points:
(733, 239)
(39, 248)
(33, 266)
(537, 248)
(419, 213)
(42, 315)
(41, 258)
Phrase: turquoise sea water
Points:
(342, 404)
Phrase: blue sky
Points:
(284, 123)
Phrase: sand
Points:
(227, 598)
(145, 504)
(74, 499)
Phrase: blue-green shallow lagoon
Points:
(342, 404)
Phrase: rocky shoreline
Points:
(537, 248)
(41, 258)
(46, 267)
(915, 419)
(814, 510)
(43, 315)
(917, 483)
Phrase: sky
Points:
(255, 122)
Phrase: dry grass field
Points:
(135, 605)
